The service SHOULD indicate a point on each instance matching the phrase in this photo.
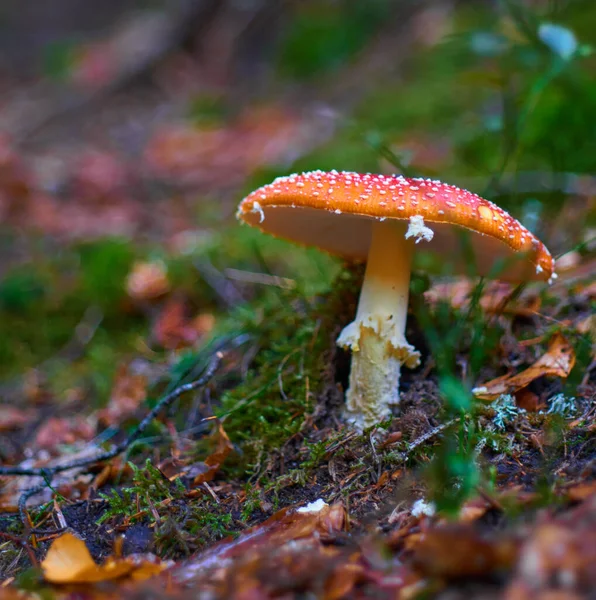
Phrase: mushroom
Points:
(381, 219)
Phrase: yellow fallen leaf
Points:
(68, 561)
(557, 362)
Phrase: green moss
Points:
(141, 499)
(190, 526)
(294, 336)
(496, 441)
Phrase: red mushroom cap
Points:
(334, 210)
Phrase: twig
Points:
(375, 455)
(403, 456)
(260, 278)
(48, 472)
(22, 505)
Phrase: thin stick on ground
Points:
(48, 472)
(404, 455)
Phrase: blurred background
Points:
(130, 130)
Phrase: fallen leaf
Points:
(16, 185)
(473, 510)
(90, 221)
(556, 555)
(203, 323)
(72, 484)
(496, 297)
(225, 155)
(342, 581)
(63, 430)
(587, 325)
(581, 491)
(528, 400)
(12, 417)
(147, 281)
(590, 290)
(557, 362)
(129, 390)
(458, 551)
(209, 467)
(269, 539)
(99, 177)
(173, 330)
(68, 561)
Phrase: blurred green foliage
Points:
(323, 36)
(103, 267)
(497, 96)
(58, 59)
(42, 303)
(207, 109)
(21, 290)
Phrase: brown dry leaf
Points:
(147, 281)
(99, 177)
(129, 390)
(173, 330)
(68, 561)
(473, 510)
(72, 484)
(495, 298)
(78, 220)
(12, 417)
(16, 185)
(587, 325)
(557, 556)
(457, 551)
(342, 580)
(581, 491)
(261, 542)
(225, 155)
(557, 362)
(528, 400)
(590, 289)
(211, 464)
(203, 323)
(63, 430)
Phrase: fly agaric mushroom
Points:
(380, 219)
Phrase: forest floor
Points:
(124, 279)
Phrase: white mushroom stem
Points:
(377, 335)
